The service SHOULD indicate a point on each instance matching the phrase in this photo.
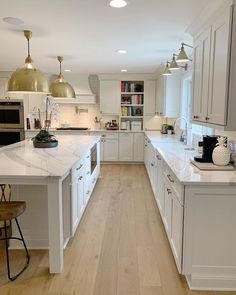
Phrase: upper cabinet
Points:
(168, 95)
(214, 72)
(110, 97)
(3, 87)
(150, 95)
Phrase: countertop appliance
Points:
(164, 128)
(208, 144)
(11, 121)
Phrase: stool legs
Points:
(12, 278)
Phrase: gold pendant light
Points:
(28, 79)
(167, 71)
(182, 57)
(61, 88)
(173, 64)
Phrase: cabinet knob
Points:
(161, 113)
(152, 164)
(168, 191)
(81, 177)
(207, 118)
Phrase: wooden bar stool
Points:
(9, 211)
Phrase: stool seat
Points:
(11, 210)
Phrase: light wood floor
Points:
(120, 247)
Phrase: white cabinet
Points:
(173, 221)
(3, 87)
(150, 97)
(109, 146)
(77, 195)
(110, 97)
(168, 95)
(159, 191)
(212, 54)
(201, 76)
(126, 146)
(138, 147)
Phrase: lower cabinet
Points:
(159, 190)
(109, 150)
(138, 147)
(126, 142)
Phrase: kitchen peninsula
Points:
(56, 184)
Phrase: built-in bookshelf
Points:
(132, 102)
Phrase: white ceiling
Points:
(88, 32)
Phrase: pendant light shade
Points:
(61, 88)
(182, 57)
(173, 64)
(167, 71)
(28, 79)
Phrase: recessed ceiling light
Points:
(67, 70)
(121, 51)
(123, 70)
(118, 3)
(13, 21)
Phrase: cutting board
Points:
(211, 166)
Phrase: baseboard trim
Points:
(211, 283)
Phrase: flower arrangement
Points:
(44, 139)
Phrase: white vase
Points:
(221, 155)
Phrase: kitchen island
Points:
(198, 212)
(44, 178)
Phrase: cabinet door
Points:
(36, 102)
(160, 95)
(101, 150)
(110, 97)
(220, 52)
(126, 146)
(172, 95)
(167, 211)
(138, 146)
(201, 76)
(150, 97)
(176, 230)
(110, 150)
(146, 152)
(3, 87)
(159, 185)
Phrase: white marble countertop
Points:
(22, 160)
(84, 131)
(177, 158)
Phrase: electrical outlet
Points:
(231, 146)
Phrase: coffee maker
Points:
(208, 144)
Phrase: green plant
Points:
(170, 127)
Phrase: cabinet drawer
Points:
(77, 168)
(110, 135)
(174, 183)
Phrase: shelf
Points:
(136, 117)
(131, 105)
(127, 93)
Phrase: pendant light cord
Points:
(28, 48)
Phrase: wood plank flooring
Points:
(120, 247)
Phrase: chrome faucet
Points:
(184, 132)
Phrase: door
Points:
(219, 72)
(110, 150)
(201, 72)
(150, 97)
(125, 146)
(110, 97)
(138, 147)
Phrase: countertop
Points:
(21, 160)
(84, 131)
(177, 158)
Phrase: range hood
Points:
(83, 92)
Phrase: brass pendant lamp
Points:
(61, 88)
(167, 71)
(28, 79)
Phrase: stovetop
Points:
(72, 128)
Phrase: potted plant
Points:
(44, 139)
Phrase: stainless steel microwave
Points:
(11, 114)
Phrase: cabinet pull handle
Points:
(207, 118)
(103, 135)
(170, 179)
(80, 166)
(94, 180)
(81, 177)
(88, 192)
(168, 191)
(161, 113)
(87, 173)
(87, 157)
(145, 145)
(152, 164)
(104, 140)
(158, 158)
